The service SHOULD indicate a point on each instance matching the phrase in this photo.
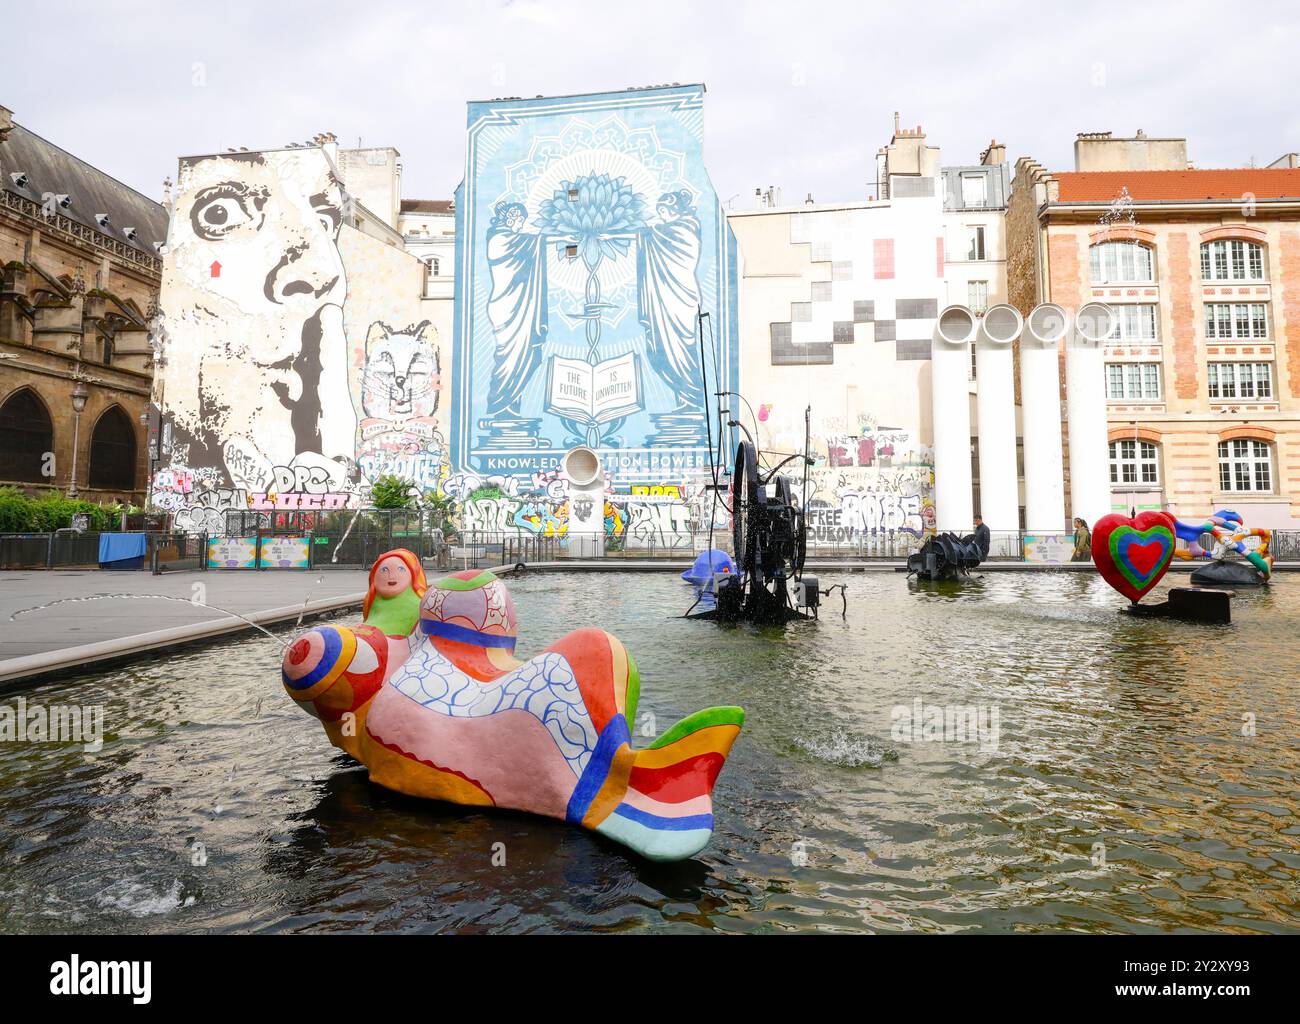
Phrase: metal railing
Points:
(173, 552)
(70, 549)
(1285, 546)
(346, 538)
(349, 539)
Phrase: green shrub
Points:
(441, 509)
(14, 512)
(20, 513)
(391, 492)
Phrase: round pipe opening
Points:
(1047, 323)
(1002, 324)
(1094, 322)
(956, 325)
(581, 466)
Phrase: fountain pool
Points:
(1131, 776)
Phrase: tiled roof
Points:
(1229, 184)
(51, 169)
(427, 206)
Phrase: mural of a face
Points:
(252, 296)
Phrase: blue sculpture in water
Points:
(707, 563)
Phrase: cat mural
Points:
(400, 385)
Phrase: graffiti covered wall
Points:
(588, 236)
(869, 481)
(293, 365)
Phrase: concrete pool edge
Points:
(35, 669)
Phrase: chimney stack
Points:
(994, 155)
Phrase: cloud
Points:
(800, 96)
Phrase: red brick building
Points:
(1203, 370)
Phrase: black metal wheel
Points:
(744, 505)
(801, 541)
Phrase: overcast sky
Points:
(801, 93)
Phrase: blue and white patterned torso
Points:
(545, 687)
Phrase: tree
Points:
(391, 492)
(441, 509)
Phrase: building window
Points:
(1241, 380)
(1133, 382)
(434, 264)
(26, 438)
(112, 452)
(1134, 323)
(1232, 260)
(976, 250)
(1135, 463)
(1245, 465)
(974, 190)
(977, 293)
(1241, 321)
(1121, 263)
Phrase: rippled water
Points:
(1124, 792)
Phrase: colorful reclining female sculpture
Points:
(447, 712)
(1230, 535)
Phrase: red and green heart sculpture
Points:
(1133, 554)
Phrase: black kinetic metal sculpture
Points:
(944, 557)
(769, 537)
(769, 530)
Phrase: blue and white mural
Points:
(588, 241)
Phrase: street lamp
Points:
(79, 396)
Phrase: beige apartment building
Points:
(1203, 268)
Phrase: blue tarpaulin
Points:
(122, 550)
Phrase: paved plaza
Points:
(47, 611)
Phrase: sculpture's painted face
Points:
(392, 577)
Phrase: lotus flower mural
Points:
(600, 213)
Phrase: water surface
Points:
(1142, 777)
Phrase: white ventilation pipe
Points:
(1040, 411)
(1085, 402)
(586, 479)
(995, 397)
(950, 404)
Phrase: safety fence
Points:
(71, 549)
(351, 539)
